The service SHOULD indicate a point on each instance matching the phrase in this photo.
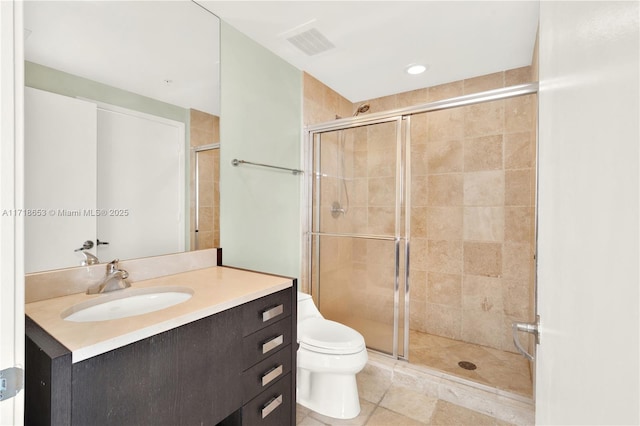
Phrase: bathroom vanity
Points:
(226, 356)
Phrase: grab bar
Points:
(236, 162)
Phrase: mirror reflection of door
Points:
(140, 185)
(60, 152)
(124, 181)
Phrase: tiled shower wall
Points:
(472, 214)
(321, 104)
(205, 130)
(472, 211)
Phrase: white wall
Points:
(588, 280)
(11, 198)
(261, 121)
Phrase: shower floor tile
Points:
(499, 369)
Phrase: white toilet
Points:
(329, 356)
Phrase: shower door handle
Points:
(527, 327)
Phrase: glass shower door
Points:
(356, 267)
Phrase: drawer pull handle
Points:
(272, 344)
(272, 312)
(271, 405)
(271, 375)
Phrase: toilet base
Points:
(332, 395)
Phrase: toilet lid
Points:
(330, 337)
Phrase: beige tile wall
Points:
(472, 210)
(322, 104)
(205, 130)
(472, 215)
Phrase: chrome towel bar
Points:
(236, 162)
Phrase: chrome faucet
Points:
(89, 259)
(114, 279)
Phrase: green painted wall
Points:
(261, 121)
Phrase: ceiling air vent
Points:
(311, 42)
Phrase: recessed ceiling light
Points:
(415, 69)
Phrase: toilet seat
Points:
(329, 337)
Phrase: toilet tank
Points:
(306, 307)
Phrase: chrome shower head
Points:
(361, 109)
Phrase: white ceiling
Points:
(132, 45)
(375, 40)
(137, 45)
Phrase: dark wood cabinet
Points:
(234, 367)
(268, 358)
(271, 407)
(47, 378)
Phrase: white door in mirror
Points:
(60, 152)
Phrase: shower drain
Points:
(467, 365)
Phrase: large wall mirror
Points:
(121, 130)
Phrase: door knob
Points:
(86, 245)
(527, 327)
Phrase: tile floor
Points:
(432, 389)
(499, 369)
(495, 368)
(384, 403)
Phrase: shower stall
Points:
(421, 226)
(205, 192)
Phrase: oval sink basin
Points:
(127, 303)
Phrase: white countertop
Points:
(215, 289)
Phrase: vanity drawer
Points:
(266, 342)
(267, 310)
(266, 373)
(272, 407)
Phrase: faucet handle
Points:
(112, 266)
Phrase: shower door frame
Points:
(403, 185)
(396, 238)
(196, 150)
